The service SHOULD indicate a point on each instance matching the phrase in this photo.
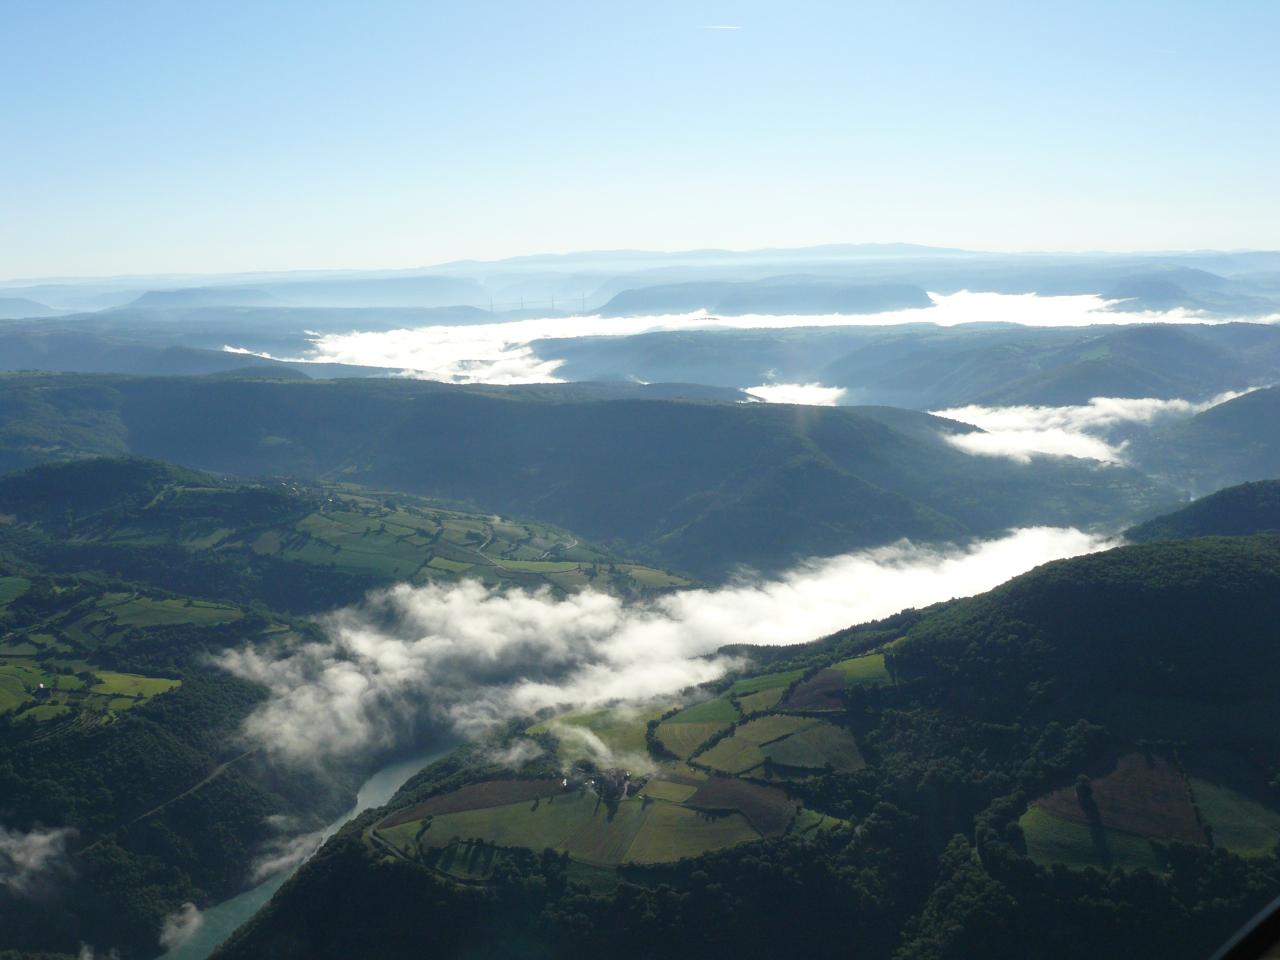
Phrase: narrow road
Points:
(213, 775)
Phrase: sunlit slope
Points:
(294, 546)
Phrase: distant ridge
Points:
(773, 295)
(205, 297)
(20, 308)
(1238, 511)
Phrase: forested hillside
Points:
(1235, 511)
(700, 487)
(1082, 759)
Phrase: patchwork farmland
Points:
(1148, 800)
(723, 780)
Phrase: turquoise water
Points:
(222, 920)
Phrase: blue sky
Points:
(202, 136)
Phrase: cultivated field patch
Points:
(1243, 826)
(768, 681)
(764, 700)
(1144, 795)
(621, 730)
(767, 808)
(490, 793)
(1051, 839)
(733, 755)
(823, 692)
(671, 832)
(720, 710)
(684, 738)
(816, 748)
(869, 669)
(11, 588)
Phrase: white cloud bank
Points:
(500, 353)
(470, 655)
(28, 860)
(809, 394)
(181, 926)
(1085, 430)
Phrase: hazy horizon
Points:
(923, 250)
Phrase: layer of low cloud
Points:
(810, 394)
(500, 353)
(180, 926)
(470, 655)
(30, 860)
(285, 852)
(1085, 430)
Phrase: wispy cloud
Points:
(29, 860)
(181, 926)
(1084, 430)
(470, 655)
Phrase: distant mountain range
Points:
(775, 295)
(1224, 283)
(17, 308)
(928, 367)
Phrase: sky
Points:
(145, 137)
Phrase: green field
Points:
(640, 830)
(764, 700)
(147, 612)
(719, 710)
(407, 539)
(46, 712)
(13, 693)
(733, 755)
(364, 533)
(671, 832)
(679, 811)
(863, 670)
(807, 821)
(652, 579)
(816, 747)
(799, 742)
(11, 588)
(773, 727)
(693, 726)
(660, 789)
(768, 681)
(742, 751)
(1239, 824)
(63, 694)
(131, 685)
(1053, 840)
(684, 738)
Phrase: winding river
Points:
(220, 921)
